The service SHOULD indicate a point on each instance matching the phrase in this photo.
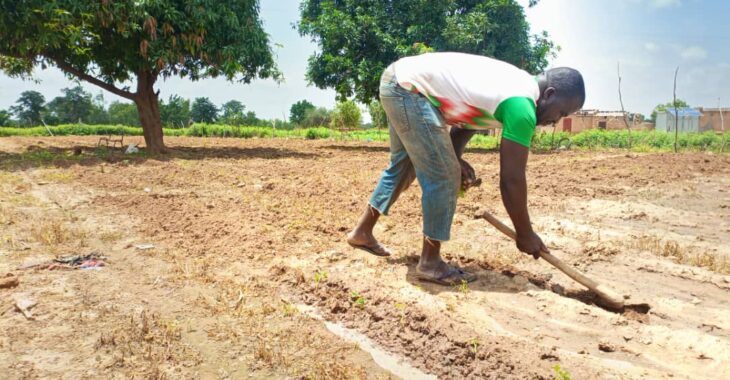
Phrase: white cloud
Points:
(651, 47)
(694, 53)
(665, 3)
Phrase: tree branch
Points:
(93, 80)
(676, 112)
(621, 99)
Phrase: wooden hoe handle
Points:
(609, 297)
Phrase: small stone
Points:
(606, 347)
(9, 281)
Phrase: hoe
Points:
(609, 298)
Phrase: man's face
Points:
(551, 107)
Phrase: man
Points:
(424, 94)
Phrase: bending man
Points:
(422, 96)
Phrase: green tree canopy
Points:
(250, 118)
(377, 114)
(75, 105)
(316, 117)
(4, 118)
(359, 39)
(99, 114)
(233, 112)
(29, 107)
(111, 42)
(298, 110)
(175, 113)
(204, 111)
(346, 115)
(663, 107)
(124, 114)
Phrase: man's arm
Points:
(460, 137)
(513, 186)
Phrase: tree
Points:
(679, 103)
(346, 115)
(377, 114)
(316, 117)
(98, 114)
(204, 111)
(233, 112)
(250, 118)
(4, 118)
(124, 114)
(176, 112)
(29, 108)
(111, 42)
(74, 106)
(359, 39)
(298, 110)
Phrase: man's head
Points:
(562, 92)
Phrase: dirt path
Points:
(267, 218)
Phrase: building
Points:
(688, 120)
(595, 119)
(714, 119)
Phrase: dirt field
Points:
(248, 240)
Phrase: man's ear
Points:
(549, 92)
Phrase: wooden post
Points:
(676, 112)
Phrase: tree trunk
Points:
(148, 107)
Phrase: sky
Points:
(649, 38)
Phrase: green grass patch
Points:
(640, 141)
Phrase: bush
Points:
(642, 141)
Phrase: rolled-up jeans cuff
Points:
(434, 239)
(378, 209)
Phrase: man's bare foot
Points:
(367, 243)
(441, 273)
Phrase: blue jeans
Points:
(420, 147)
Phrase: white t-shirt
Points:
(469, 90)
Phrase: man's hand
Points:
(531, 244)
(468, 176)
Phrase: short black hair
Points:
(567, 83)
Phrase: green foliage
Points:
(298, 111)
(232, 113)
(474, 344)
(357, 299)
(74, 106)
(117, 39)
(318, 133)
(28, 109)
(98, 113)
(124, 114)
(4, 118)
(315, 117)
(112, 42)
(359, 39)
(204, 111)
(175, 113)
(663, 107)
(560, 373)
(320, 276)
(250, 118)
(642, 141)
(377, 114)
(346, 115)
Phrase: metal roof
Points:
(684, 112)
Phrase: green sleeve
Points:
(518, 118)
